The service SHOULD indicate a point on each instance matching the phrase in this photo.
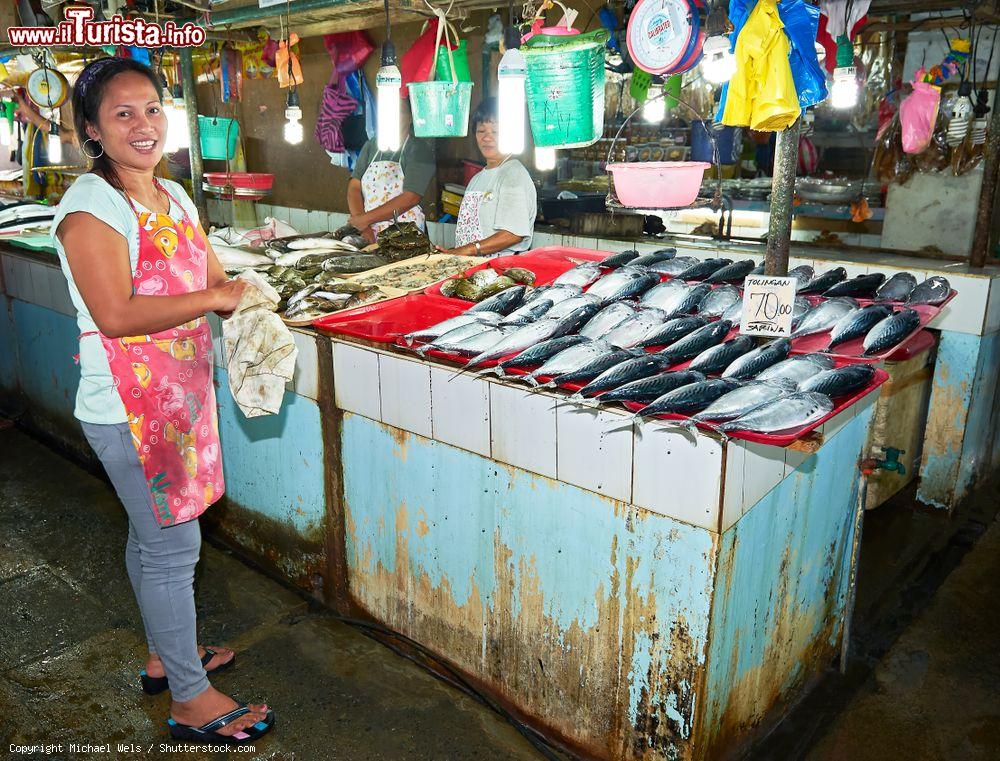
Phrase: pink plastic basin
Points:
(658, 184)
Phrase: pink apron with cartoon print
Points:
(165, 379)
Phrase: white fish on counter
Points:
(232, 258)
(313, 245)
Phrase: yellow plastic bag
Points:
(762, 93)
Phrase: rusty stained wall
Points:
(780, 590)
(589, 615)
(961, 442)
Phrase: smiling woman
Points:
(142, 276)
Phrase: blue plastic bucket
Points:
(701, 143)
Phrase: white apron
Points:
(383, 181)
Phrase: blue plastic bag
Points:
(739, 12)
(801, 22)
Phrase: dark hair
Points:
(87, 96)
(486, 111)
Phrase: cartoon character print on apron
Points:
(165, 379)
(383, 181)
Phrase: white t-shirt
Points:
(96, 398)
(509, 202)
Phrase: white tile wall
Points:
(732, 493)
(763, 469)
(9, 277)
(541, 240)
(595, 450)
(966, 312)
(355, 380)
(299, 219)
(832, 426)
(25, 288)
(59, 292)
(523, 429)
(317, 221)
(336, 219)
(664, 462)
(460, 410)
(305, 381)
(405, 387)
(794, 459)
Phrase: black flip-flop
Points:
(208, 733)
(154, 685)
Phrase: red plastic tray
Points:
(852, 350)
(386, 321)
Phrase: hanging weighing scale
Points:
(664, 36)
(47, 88)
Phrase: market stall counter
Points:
(633, 586)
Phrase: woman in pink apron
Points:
(388, 186)
(497, 215)
(143, 276)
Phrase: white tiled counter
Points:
(617, 562)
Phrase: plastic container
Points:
(658, 184)
(565, 88)
(440, 109)
(470, 170)
(461, 56)
(246, 180)
(219, 137)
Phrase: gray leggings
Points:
(160, 563)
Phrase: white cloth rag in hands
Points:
(259, 349)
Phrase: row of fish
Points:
(901, 287)
(486, 282)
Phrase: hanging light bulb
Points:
(177, 123)
(545, 159)
(511, 75)
(387, 82)
(961, 115)
(844, 93)
(654, 109)
(54, 146)
(718, 64)
(979, 123)
(293, 113)
(5, 130)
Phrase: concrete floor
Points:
(71, 647)
(924, 682)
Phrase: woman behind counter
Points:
(142, 276)
(497, 215)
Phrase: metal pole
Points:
(852, 588)
(984, 215)
(779, 228)
(191, 106)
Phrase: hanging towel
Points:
(259, 349)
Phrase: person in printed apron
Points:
(142, 277)
(497, 215)
(385, 185)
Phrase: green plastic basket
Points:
(565, 86)
(440, 109)
(461, 56)
(219, 137)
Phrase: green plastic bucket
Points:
(440, 109)
(565, 88)
(461, 56)
(219, 137)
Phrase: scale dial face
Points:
(47, 88)
(659, 34)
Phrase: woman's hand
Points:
(460, 251)
(360, 222)
(226, 296)
(368, 234)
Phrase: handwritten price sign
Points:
(767, 305)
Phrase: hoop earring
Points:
(84, 149)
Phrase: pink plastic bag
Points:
(918, 115)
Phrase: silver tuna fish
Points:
(718, 300)
(563, 308)
(718, 358)
(890, 332)
(674, 266)
(933, 290)
(795, 369)
(569, 360)
(527, 312)
(582, 275)
(857, 324)
(632, 330)
(666, 295)
(466, 318)
(605, 320)
(744, 399)
(824, 316)
(758, 360)
(896, 288)
(803, 274)
(789, 412)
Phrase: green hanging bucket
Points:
(565, 88)
(461, 56)
(219, 137)
(441, 109)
